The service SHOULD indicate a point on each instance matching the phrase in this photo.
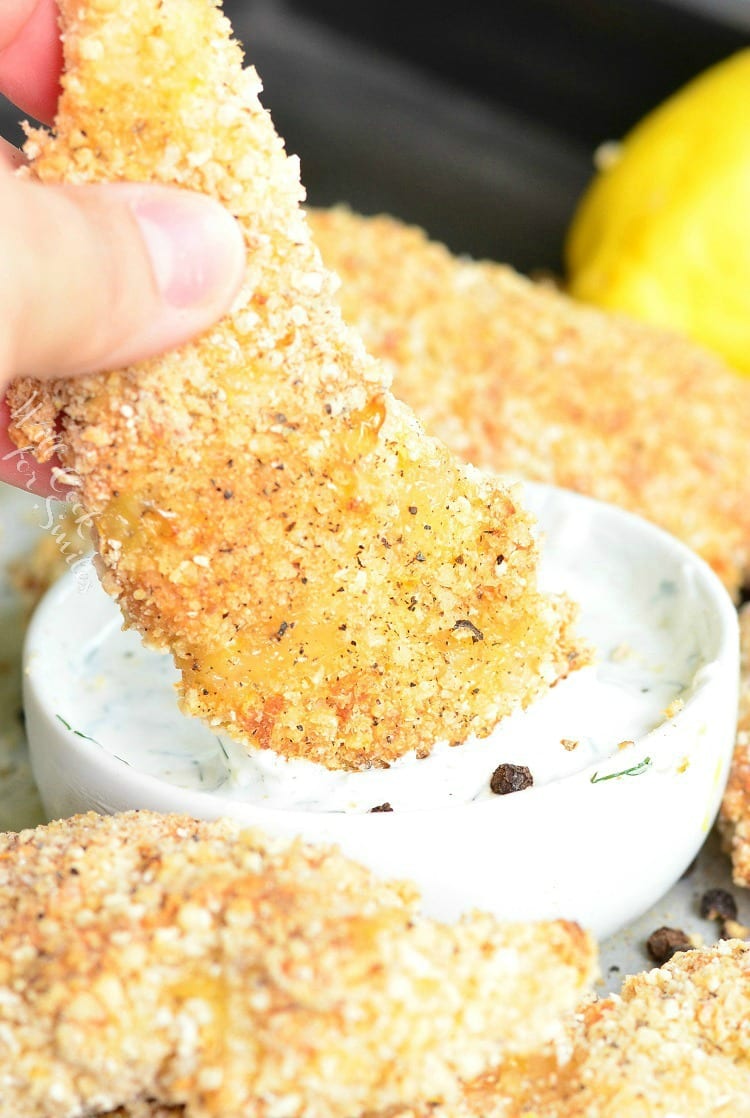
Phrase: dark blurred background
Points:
(477, 120)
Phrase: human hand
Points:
(93, 277)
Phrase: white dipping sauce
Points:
(648, 630)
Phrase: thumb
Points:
(98, 277)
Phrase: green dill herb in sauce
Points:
(634, 770)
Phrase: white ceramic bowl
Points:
(592, 846)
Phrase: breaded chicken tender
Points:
(734, 818)
(674, 1044)
(517, 377)
(155, 961)
(330, 581)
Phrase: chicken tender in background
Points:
(332, 582)
(148, 957)
(518, 378)
(734, 819)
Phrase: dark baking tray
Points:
(477, 121)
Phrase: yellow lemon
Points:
(663, 231)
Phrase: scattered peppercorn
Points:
(718, 904)
(666, 942)
(381, 807)
(510, 778)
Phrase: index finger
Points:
(30, 55)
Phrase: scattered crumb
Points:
(674, 708)
(732, 929)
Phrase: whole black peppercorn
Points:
(666, 942)
(718, 904)
(510, 778)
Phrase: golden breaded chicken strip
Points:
(734, 818)
(148, 957)
(516, 377)
(331, 582)
(675, 1044)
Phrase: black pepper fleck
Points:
(381, 807)
(464, 623)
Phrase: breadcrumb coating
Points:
(734, 817)
(149, 957)
(674, 1044)
(263, 506)
(516, 377)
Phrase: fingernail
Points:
(194, 244)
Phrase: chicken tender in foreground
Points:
(147, 957)
(734, 818)
(331, 582)
(675, 1044)
(516, 377)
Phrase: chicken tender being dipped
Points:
(331, 583)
